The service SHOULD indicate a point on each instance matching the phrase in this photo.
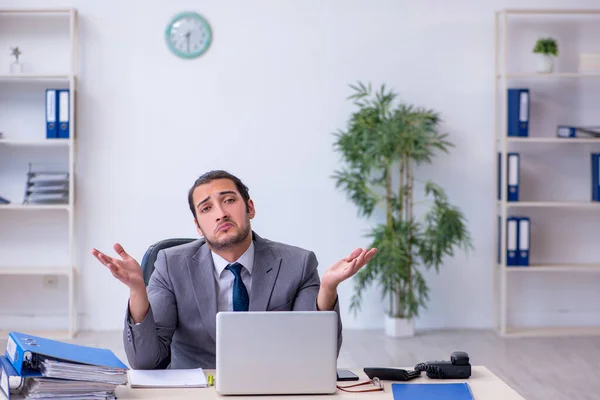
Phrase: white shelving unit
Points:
(504, 78)
(34, 143)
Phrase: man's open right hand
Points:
(127, 270)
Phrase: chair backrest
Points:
(148, 268)
(152, 252)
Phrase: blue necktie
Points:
(240, 293)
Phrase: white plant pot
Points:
(16, 68)
(544, 63)
(399, 327)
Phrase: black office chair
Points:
(152, 252)
(148, 267)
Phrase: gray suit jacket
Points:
(181, 323)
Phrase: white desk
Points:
(484, 385)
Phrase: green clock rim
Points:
(202, 20)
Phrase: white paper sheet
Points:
(167, 378)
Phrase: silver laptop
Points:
(275, 352)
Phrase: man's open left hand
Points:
(346, 267)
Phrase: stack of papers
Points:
(48, 388)
(66, 380)
(166, 378)
(46, 185)
(82, 372)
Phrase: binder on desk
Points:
(518, 112)
(512, 237)
(524, 236)
(595, 176)
(6, 371)
(63, 114)
(51, 113)
(513, 172)
(30, 354)
(432, 391)
(37, 386)
(10, 380)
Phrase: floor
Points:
(537, 368)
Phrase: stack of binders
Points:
(46, 187)
(518, 238)
(38, 368)
(57, 113)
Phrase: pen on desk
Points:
(211, 380)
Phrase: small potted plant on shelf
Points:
(16, 66)
(546, 49)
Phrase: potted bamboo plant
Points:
(380, 149)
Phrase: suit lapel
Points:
(202, 278)
(264, 275)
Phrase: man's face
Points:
(221, 214)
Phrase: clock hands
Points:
(187, 39)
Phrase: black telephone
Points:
(457, 368)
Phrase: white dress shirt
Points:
(225, 277)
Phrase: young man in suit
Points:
(173, 320)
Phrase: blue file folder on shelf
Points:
(518, 112)
(512, 238)
(499, 176)
(595, 176)
(524, 237)
(513, 172)
(514, 175)
(51, 113)
(64, 114)
(27, 354)
(568, 131)
(432, 391)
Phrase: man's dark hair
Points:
(214, 175)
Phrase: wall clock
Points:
(188, 35)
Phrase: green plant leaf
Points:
(547, 46)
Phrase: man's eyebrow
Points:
(220, 194)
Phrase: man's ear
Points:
(198, 228)
(251, 209)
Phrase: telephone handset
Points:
(457, 368)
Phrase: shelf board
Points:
(551, 140)
(36, 143)
(27, 207)
(553, 331)
(34, 77)
(35, 10)
(50, 270)
(554, 75)
(556, 268)
(550, 11)
(48, 334)
(552, 204)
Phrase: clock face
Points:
(188, 35)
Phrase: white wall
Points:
(263, 103)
